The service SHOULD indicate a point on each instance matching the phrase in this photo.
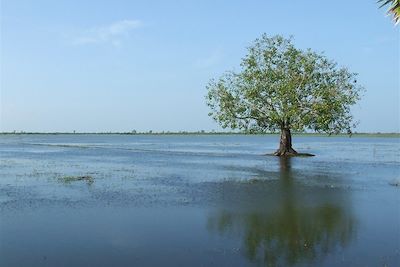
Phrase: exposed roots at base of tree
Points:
(290, 153)
(285, 152)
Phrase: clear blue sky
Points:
(123, 65)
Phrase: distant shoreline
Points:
(199, 133)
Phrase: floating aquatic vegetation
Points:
(69, 179)
(395, 182)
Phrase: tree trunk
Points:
(285, 144)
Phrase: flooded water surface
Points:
(207, 200)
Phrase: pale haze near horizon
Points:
(95, 66)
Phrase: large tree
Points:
(281, 87)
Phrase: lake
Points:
(206, 200)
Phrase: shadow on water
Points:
(285, 223)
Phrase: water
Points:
(198, 201)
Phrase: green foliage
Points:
(394, 9)
(280, 86)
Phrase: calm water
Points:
(198, 201)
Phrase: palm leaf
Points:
(394, 9)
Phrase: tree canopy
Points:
(282, 87)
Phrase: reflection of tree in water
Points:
(289, 223)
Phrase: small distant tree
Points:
(281, 87)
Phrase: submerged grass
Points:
(69, 179)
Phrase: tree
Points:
(281, 87)
(394, 9)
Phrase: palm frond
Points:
(394, 9)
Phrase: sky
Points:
(94, 66)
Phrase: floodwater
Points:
(210, 200)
